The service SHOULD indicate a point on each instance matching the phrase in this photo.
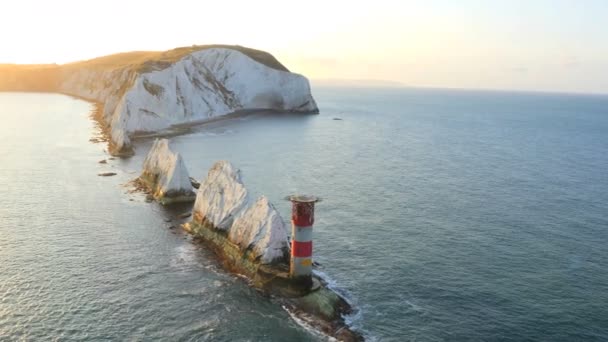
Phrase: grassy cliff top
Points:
(47, 77)
(145, 61)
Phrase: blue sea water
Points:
(447, 216)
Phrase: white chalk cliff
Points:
(201, 84)
(166, 172)
(261, 229)
(221, 197)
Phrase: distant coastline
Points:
(365, 83)
(356, 83)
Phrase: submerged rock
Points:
(261, 229)
(220, 197)
(106, 174)
(165, 174)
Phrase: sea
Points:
(446, 215)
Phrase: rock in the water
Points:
(165, 174)
(221, 196)
(261, 229)
(103, 161)
(195, 184)
(106, 174)
(338, 119)
(184, 215)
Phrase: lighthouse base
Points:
(310, 299)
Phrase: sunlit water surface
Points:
(447, 215)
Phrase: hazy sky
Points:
(559, 45)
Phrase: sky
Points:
(540, 45)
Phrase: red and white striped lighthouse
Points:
(302, 219)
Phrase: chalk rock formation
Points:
(252, 241)
(261, 229)
(165, 173)
(221, 197)
(222, 203)
(183, 85)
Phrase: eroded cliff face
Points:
(199, 86)
(166, 175)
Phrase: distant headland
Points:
(144, 91)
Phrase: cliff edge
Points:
(151, 91)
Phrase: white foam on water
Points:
(355, 319)
(413, 306)
(184, 258)
(333, 285)
(306, 326)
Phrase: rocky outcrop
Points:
(221, 197)
(195, 86)
(257, 230)
(248, 236)
(251, 240)
(165, 174)
(222, 204)
(261, 229)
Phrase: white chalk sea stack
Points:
(191, 85)
(221, 196)
(165, 173)
(222, 203)
(261, 229)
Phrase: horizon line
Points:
(402, 85)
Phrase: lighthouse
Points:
(302, 220)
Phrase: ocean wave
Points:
(355, 319)
(309, 328)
